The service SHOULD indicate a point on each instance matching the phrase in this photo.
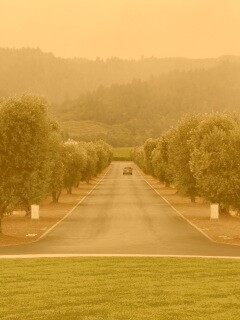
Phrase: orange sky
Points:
(123, 28)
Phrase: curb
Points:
(39, 256)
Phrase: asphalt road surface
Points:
(123, 215)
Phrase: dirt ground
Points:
(225, 230)
(18, 229)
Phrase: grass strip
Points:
(122, 154)
(119, 288)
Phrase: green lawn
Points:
(119, 288)
(122, 153)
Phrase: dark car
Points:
(127, 170)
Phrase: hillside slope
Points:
(31, 70)
(144, 109)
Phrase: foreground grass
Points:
(119, 288)
(122, 153)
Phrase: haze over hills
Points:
(121, 101)
(131, 113)
(58, 79)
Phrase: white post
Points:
(35, 212)
(214, 211)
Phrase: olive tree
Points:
(25, 131)
(56, 163)
(74, 161)
(160, 160)
(138, 157)
(104, 154)
(90, 169)
(179, 156)
(149, 146)
(215, 160)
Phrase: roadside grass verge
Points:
(122, 154)
(119, 288)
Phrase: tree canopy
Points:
(200, 157)
(25, 131)
(134, 112)
(35, 161)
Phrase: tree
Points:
(25, 132)
(104, 154)
(149, 146)
(90, 169)
(138, 157)
(179, 156)
(234, 168)
(75, 160)
(56, 163)
(160, 160)
(215, 160)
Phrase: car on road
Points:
(127, 170)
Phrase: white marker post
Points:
(214, 211)
(35, 212)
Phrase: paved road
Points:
(123, 215)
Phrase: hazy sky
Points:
(123, 28)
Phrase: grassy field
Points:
(84, 128)
(122, 153)
(119, 288)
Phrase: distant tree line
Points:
(140, 110)
(200, 157)
(134, 99)
(31, 70)
(35, 161)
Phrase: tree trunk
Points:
(69, 190)
(193, 199)
(58, 194)
(167, 184)
(3, 208)
(223, 209)
(1, 217)
(28, 210)
(55, 196)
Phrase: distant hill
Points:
(121, 101)
(85, 130)
(136, 111)
(31, 70)
(116, 135)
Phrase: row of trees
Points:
(200, 156)
(35, 161)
